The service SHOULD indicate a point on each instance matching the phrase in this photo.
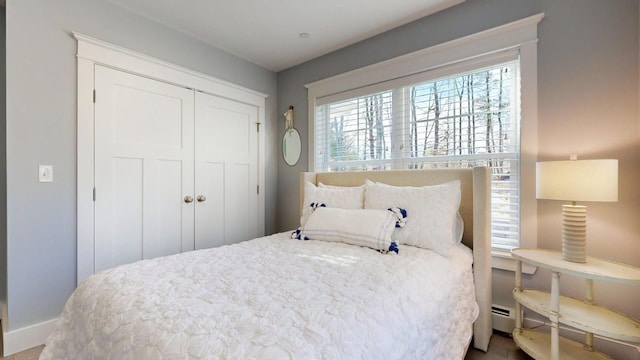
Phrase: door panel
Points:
(227, 130)
(210, 227)
(163, 204)
(144, 167)
(239, 203)
(127, 223)
(140, 110)
(226, 144)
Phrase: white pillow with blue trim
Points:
(371, 228)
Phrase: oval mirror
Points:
(291, 146)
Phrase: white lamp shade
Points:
(577, 180)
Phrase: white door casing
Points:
(93, 54)
(143, 168)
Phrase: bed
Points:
(281, 298)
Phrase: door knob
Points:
(188, 199)
(201, 198)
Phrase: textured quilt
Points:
(273, 298)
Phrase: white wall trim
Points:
(495, 39)
(91, 52)
(27, 337)
(502, 260)
(521, 34)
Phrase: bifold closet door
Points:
(144, 168)
(226, 158)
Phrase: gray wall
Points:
(3, 159)
(588, 105)
(588, 89)
(41, 129)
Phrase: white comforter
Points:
(273, 298)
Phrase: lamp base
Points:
(574, 233)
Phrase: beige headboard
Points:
(474, 208)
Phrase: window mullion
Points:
(399, 111)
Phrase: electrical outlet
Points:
(45, 173)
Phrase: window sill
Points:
(501, 259)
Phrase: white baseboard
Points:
(614, 348)
(27, 337)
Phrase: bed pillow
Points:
(333, 197)
(371, 228)
(458, 229)
(432, 211)
(321, 184)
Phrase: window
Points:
(470, 101)
(461, 120)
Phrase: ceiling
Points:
(267, 32)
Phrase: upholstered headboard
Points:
(474, 208)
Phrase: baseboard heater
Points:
(504, 318)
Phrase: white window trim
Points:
(522, 35)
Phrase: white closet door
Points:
(226, 171)
(144, 168)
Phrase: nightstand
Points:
(581, 314)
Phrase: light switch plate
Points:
(45, 173)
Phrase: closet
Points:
(173, 169)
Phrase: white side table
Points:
(582, 314)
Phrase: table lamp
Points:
(576, 180)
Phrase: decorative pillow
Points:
(363, 227)
(401, 216)
(333, 197)
(433, 212)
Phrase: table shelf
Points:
(536, 344)
(576, 313)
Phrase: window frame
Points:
(520, 35)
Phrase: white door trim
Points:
(124, 59)
(92, 51)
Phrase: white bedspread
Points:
(273, 298)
